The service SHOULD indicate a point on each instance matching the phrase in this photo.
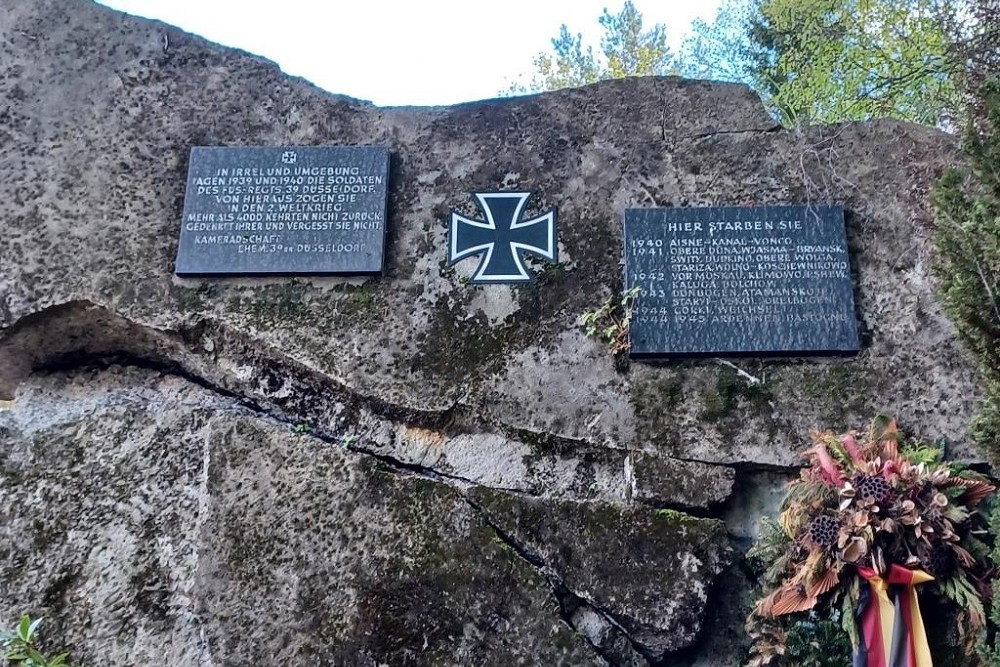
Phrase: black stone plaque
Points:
(284, 210)
(770, 280)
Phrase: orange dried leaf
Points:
(976, 491)
(826, 583)
(792, 598)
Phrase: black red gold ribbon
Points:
(892, 630)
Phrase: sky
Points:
(405, 52)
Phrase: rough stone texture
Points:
(178, 528)
(100, 111)
(663, 482)
(646, 570)
(395, 426)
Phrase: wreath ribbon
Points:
(888, 616)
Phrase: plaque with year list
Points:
(284, 210)
(731, 281)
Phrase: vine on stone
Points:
(611, 321)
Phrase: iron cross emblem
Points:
(503, 236)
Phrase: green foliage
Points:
(815, 61)
(610, 322)
(570, 64)
(835, 60)
(979, 49)
(812, 61)
(967, 240)
(960, 590)
(626, 50)
(19, 646)
(919, 451)
(986, 425)
(723, 50)
(767, 551)
(990, 650)
(630, 51)
(819, 642)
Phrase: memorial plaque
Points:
(284, 210)
(772, 280)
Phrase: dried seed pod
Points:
(872, 488)
(940, 563)
(824, 531)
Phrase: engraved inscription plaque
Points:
(771, 280)
(284, 210)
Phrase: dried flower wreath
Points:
(867, 522)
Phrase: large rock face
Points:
(405, 470)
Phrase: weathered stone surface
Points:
(143, 489)
(178, 527)
(665, 482)
(93, 176)
(645, 570)
(157, 523)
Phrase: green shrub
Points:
(967, 240)
(19, 646)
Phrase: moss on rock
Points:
(650, 569)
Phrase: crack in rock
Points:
(706, 135)
(58, 335)
(608, 637)
(169, 353)
(571, 604)
(78, 334)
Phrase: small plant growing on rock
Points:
(304, 428)
(611, 321)
(19, 646)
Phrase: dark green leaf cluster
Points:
(610, 322)
(967, 240)
(818, 641)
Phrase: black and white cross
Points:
(503, 236)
